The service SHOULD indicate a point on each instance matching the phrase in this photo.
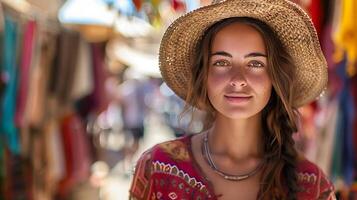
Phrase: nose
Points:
(238, 78)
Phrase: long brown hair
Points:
(279, 117)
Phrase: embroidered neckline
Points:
(171, 169)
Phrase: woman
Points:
(249, 65)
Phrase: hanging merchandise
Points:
(2, 79)
(40, 76)
(47, 70)
(83, 80)
(18, 177)
(179, 5)
(99, 96)
(76, 151)
(343, 155)
(131, 21)
(25, 72)
(9, 72)
(345, 37)
(138, 4)
(62, 76)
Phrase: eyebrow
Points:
(221, 53)
(253, 54)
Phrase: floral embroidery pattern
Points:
(307, 177)
(174, 170)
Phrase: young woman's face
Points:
(238, 83)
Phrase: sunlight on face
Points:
(238, 83)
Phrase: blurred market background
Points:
(81, 95)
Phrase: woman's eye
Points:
(255, 64)
(221, 63)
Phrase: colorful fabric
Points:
(343, 158)
(169, 171)
(345, 37)
(25, 72)
(9, 73)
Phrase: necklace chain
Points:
(207, 155)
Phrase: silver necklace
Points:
(207, 155)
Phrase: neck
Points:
(238, 139)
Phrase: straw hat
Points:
(291, 24)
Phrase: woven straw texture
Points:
(292, 25)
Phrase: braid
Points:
(279, 175)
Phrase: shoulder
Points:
(312, 181)
(169, 151)
(176, 150)
(160, 156)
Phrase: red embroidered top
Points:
(168, 171)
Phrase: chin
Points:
(239, 113)
(240, 116)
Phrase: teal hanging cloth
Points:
(8, 131)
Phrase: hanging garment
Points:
(62, 73)
(343, 158)
(83, 81)
(327, 118)
(354, 96)
(38, 101)
(18, 177)
(56, 158)
(75, 145)
(334, 80)
(345, 37)
(25, 72)
(99, 97)
(9, 72)
(38, 161)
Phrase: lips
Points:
(237, 99)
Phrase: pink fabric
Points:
(168, 171)
(25, 70)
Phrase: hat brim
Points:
(290, 23)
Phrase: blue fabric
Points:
(347, 107)
(343, 165)
(8, 131)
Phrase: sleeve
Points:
(141, 182)
(326, 189)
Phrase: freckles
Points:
(216, 77)
(216, 84)
(261, 82)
